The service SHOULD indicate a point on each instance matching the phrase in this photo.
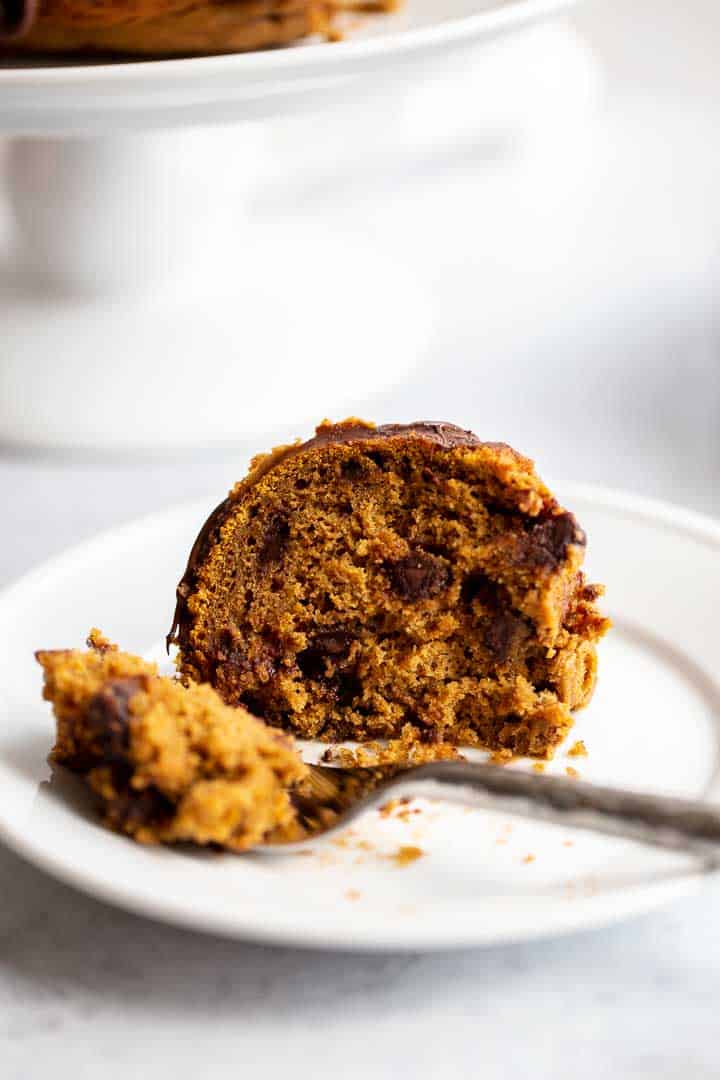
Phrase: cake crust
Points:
(171, 30)
(167, 27)
(372, 580)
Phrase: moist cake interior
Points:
(380, 581)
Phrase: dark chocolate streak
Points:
(108, 718)
(446, 436)
(16, 18)
(449, 436)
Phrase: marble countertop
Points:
(621, 386)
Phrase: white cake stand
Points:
(138, 307)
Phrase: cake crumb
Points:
(353, 894)
(568, 843)
(529, 859)
(501, 757)
(349, 841)
(405, 751)
(399, 809)
(578, 749)
(97, 640)
(505, 834)
(539, 767)
(572, 773)
(407, 854)
(168, 763)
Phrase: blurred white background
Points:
(558, 213)
(564, 229)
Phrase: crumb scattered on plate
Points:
(501, 757)
(572, 773)
(407, 854)
(539, 767)
(353, 894)
(529, 859)
(578, 749)
(349, 840)
(399, 809)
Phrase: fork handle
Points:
(684, 825)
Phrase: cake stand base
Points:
(281, 338)
(141, 310)
(139, 307)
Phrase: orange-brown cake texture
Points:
(167, 762)
(396, 582)
(168, 27)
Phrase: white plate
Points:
(36, 99)
(652, 725)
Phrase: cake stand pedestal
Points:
(139, 307)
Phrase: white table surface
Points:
(597, 351)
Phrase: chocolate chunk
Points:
(431, 477)
(426, 730)
(546, 543)
(228, 656)
(328, 645)
(232, 658)
(479, 587)
(132, 807)
(265, 660)
(429, 734)
(255, 702)
(345, 689)
(326, 661)
(352, 469)
(276, 536)
(504, 632)
(108, 718)
(418, 576)
(553, 537)
(335, 643)
(591, 593)
(235, 663)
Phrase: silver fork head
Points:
(333, 798)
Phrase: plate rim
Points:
(343, 57)
(561, 921)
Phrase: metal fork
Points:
(683, 825)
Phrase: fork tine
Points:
(685, 825)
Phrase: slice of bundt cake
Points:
(374, 582)
(167, 762)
